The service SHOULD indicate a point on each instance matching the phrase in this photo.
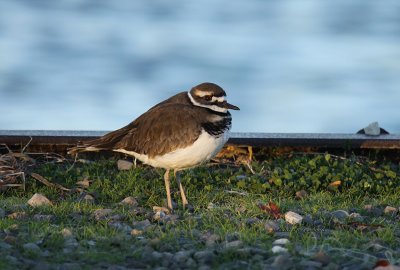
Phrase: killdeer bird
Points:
(181, 132)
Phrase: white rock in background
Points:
(281, 241)
(279, 249)
(390, 210)
(130, 201)
(39, 200)
(293, 218)
(124, 165)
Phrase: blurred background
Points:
(291, 66)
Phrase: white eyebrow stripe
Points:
(211, 107)
(203, 94)
(219, 99)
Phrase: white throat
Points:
(211, 107)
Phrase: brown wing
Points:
(156, 132)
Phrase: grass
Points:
(234, 193)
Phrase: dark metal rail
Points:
(66, 138)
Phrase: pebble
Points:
(18, 215)
(339, 214)
(356, 217)
(120, 226)
(71, 243)
(2, 213)
(102, 214)
(142, 225)
(160, 209)
(390, 210)
(233, 245)
(282, 262)
(159, 215)
(322, 257)
(39, 217)
(301, 194)
(279, 249)
(39, 200)
(124, 165)
(271, 226)
(252, 221)
(31, 247)
(293, 218)
(86, 198)
(190, 263)
(181, 256)
(204, 256)
(66, 233)
(281, 241)
(136, 232)
(129, 201)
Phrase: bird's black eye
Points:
(208, 98)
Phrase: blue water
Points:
(291, 66)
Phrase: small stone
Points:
(204, 256)
(66, 233)
(211, 206)
(71, 243)
(39, 200)
(85, 183)
(142, 225)
(130, 201)
(39, 217)
(389, 210)
(293, 218)
(158, 216)
(160, 209)
(2, 213)
(91, 243)
(18, 215)
(234, 244)
(322, 258)
(281, 241)
(271, 226)
(339, 214)
(124, 165)
(190, 263)
(136, 232)
(356, 217)
(31, 247)
(120, 226)
(252, 221)
(282, 262)
(279, 249)
(86, 198)
(181, 256)
(102, 214)
(368, 207)
(301, 194)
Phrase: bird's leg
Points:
(167, 187)
(183, 196)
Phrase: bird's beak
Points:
(226, 105)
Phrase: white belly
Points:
(203, 149)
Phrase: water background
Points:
(291, 66)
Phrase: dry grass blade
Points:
(46, 182)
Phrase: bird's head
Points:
(211, 96)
